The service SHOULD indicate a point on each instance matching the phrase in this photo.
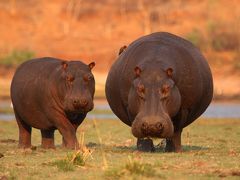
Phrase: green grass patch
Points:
(72, 160)
(211, 150)
(134, 168)
(63, 165)
(16, 57)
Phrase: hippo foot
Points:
(48, 143)
(171, 147)
(48, 146)
(70, 146)
(174, 144)
(24, 146)
(27, 147)
(76, 147)
(145, 145)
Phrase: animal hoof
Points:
(145, 145)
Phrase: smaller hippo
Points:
(50, 94)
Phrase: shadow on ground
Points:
(129, 149)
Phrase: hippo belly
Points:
(158, 85)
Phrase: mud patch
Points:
(235, 173)
(92, 144)
(228, 173)
(8, 141)
(3, 178)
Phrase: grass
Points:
(63, 165)
(72, 160)
(16, 57)
(211, 150)
(132, 168)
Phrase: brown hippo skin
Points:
(50, 94)
(158, 85)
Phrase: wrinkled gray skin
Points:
(158, 85)
(50, 94)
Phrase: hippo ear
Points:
(91, 65)
(122, 49)
(137, 71)
(169, 72)
(64, 65)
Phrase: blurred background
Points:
(91, 30)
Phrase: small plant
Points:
(139, 168)
(63, 165)
(114, 173)
(16, 57)
(76, 159)
(133, 168)
(72, 160)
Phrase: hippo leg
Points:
(24, 133)
(64, 143)
(174, 144)
(69, 137)
(68, 132)
(145, 145)
(63, 140)
(48, 139)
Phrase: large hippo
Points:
(158, 85)
(50, 94)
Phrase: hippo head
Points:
(78, 87)
(153, 99)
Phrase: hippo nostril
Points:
(144, 128)
(83, 102)
(159, 126)
(75, 102)
(144, 125)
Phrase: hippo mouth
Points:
(78, 111)
(156, 129)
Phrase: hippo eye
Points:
(70, 78)
(87, 77)
(165, 89)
